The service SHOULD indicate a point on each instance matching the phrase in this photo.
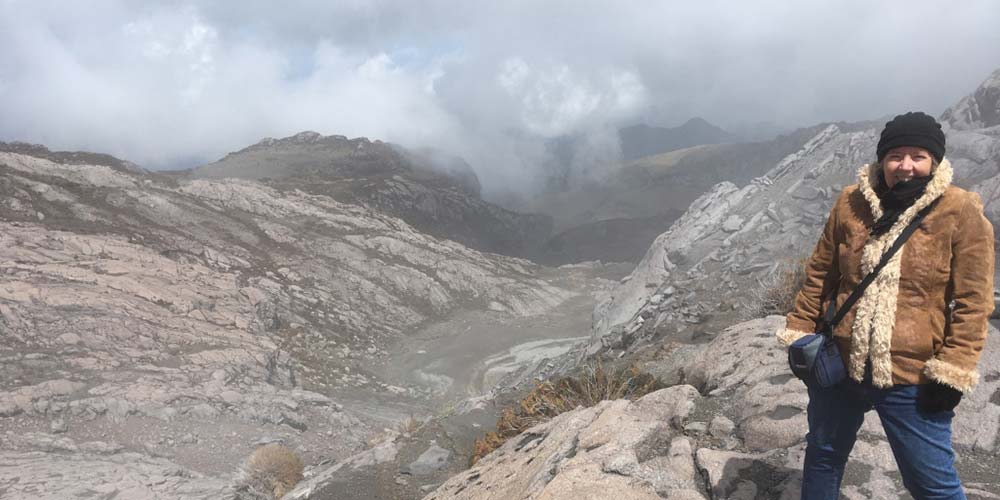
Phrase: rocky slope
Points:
(412, 459)
(618, 217)
(71, 157)
(434, 193)
(154, 329)
(734, 429)
(979, 110)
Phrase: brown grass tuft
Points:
(550, 398)
(409, 425)
(270, 472)
(775, 293)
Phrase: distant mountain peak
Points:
(981, 109)
(697, 121)
(306, 136)
(642, 140)
(310, 138)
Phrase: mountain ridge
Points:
(437, 193)
(641, 140)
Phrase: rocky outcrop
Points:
(620, 449)
(979, 110)
(736, 432)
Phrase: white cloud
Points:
(174, 83)
(555, 100)
(513, 74)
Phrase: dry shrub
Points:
(270, 472)
(409, 425)
(775, 293)
(550, 398)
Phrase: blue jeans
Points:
(921, 442)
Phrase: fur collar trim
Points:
(871, 337)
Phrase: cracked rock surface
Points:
(125, 475)
(188, 321)
(617, 449)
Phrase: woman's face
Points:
(906, 162)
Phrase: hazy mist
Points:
(174, 84)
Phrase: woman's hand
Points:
(936, 397)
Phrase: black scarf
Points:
(896, 200)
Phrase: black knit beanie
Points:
(912, 129)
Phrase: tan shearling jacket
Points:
(925, 315)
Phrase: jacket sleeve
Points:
(972, 291)
(822, 274)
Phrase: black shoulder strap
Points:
(831, 323)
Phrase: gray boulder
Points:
(617, 449)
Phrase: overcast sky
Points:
(178, 83)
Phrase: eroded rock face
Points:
(189, 320)
(617, 449)
(979, 110)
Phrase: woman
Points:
(912, 342)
